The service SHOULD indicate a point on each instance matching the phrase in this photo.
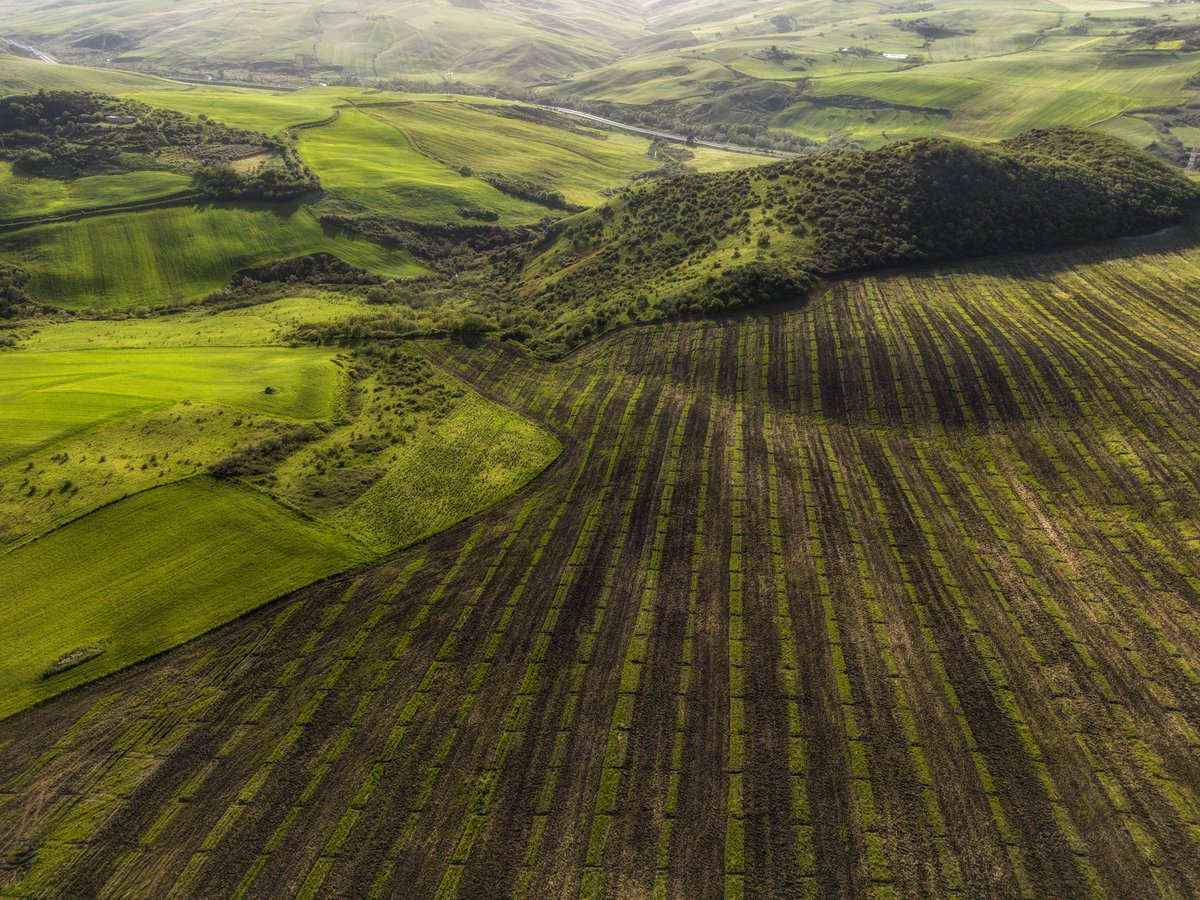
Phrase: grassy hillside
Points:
(856, 72)
(367, 159)
(175, 255)
(704, 242)
(137, 431)
(46, 396)
(22, 195)
(894, 594)
(139, 577)
(578, 162)
(288, 39)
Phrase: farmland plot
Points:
(891, 594)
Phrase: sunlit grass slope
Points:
(139, 577)
(113, 535)
(45, 397)
(461, 465)
(30, 196)
(177, 254)
(579, 164)
(373, 163)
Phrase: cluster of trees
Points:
(928, 200)
(528, 189)
(316, 268)
(284, 177)
(930, 31)
(1154, 33)
(66, 133)
(433, 242)
(13, 297)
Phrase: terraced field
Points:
(891, 594)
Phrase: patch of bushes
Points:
(284, 178)
(13, 297)
(527, 189)
(66, 134)
(71, 660)
(262, 457)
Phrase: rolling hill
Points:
(410, 488)
(719, 241)
(770, 73)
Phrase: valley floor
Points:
(894, 594)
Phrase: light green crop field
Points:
(579, 164)
(26, 76)
(174, 255)
(1002, 96)
(372, 162)
(47, 396)
(147, 573)
(32, 196)
(257, 110)
(249, 326)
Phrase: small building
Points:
(120, 120)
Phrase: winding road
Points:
(32, 51)
(665, 135)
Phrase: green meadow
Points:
(32, 196)
(367, 158)
(143, 575)
(177, 254)
(45, 397)
(109, 433)
(463, 464)
(578, 163)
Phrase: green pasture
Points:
(197, 326)
(177, 254)
(48, 396)
(27, 76)
(998, 97)
(111, 534)
(145, 574)
(256, 110)
(32, 196)
(366, 158)
(578, 164)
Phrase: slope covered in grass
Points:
(705, 242)
(137, 578)
(367, 158)
(512, 141)
(460, 465)
(45, 397)
(177, 254)
(119, 439)
(22, 195)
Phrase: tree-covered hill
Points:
(705, 242)
(68, 134)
